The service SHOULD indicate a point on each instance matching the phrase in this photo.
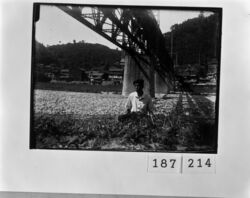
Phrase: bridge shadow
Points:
(195, 120)
(207, 106)
(203, 117)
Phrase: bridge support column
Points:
(161, 86)
(132, 73)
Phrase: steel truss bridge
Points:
(135, 30)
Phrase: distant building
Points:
(46, 72)
(212, 66)
(116, 75)
(95, 77)
(116, 71)
(65, 75)
(186, 71)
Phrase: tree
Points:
(76, 56)
(195, 40)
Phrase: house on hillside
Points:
(112, 75)
(46, 72)
(187, 71)
(65, 75)
(95, 77)
(212, 66)
(115, 75)
(116, 72)
(212, 69)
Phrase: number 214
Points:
(191, 163)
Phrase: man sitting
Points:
(138, 103)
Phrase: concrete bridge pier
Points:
(132, 72)
(162, 86)
(154, 85)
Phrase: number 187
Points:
(164, 163)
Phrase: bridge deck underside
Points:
(134, 30)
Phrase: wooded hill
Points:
(195, 40)
(76, 55)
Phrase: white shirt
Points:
(139, 104)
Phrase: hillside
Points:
(195, 40)
(77, 55)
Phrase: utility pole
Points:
(171, 53)
(171, 44)
(176, 58)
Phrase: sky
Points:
(57, 27)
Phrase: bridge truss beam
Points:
(134, 30)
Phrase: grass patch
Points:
(104, 132)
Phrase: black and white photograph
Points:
(105, 98)
(125, 78)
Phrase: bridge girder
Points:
(134, 30)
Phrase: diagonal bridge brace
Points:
(127, 30)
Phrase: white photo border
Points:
(93, 172)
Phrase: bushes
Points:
(102, 132)
(106, 133)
